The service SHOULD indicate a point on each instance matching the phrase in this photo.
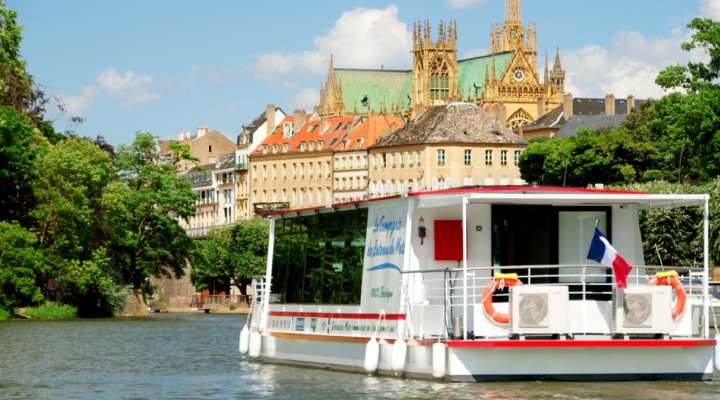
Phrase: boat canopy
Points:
(523, 195)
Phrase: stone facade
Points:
(449, 146)
(207, 145)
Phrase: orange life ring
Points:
(670, 278)
(499, 281)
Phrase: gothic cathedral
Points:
(505, 82)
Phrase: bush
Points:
(52, 311)
(4, 314)
(232, 307)
(20, 266)
(85, 284)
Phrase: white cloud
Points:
(77, 105)
(361, 38)
(306, 99)
(628, 66)
(134, 88)
(464, 3)
(710, 9)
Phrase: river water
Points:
(191, 356)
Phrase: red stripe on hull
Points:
(581, 343)
(387, 317)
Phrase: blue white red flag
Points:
(602, 251)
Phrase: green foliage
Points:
(4, 314)
(180, 152)
(20, 146)
(141, 213)
(17, 88)
(72, 177)
(87, 285)
(52, 311)
(20, 266)
(234, 254)
(612, 156)
(675, 139)
(676, 234)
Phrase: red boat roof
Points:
(464, 190)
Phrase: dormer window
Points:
(287, 130)
(286, 147)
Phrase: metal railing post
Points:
(465, 310)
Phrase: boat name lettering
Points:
(376, 249)
(383, 224)
(381, 293)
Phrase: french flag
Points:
(602, 251)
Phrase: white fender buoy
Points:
(717, 352)
(372, 355)
(399, 354)
(255, 344)
(439, 360)
(244, 344)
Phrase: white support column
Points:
(405, 280)
(706, 269)
(268, 275)
(464, 227)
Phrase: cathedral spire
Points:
(557, 65)
(331, 97)
(512, 11)
(546, 79)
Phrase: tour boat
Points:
(481, 283)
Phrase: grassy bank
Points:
(4, 314)
(51, 311)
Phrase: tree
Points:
(17, 88)
(20, 266)
(72, 177)
(611, 156)
(141, 215)
(20, 145)
(232, 255)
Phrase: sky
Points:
(169, 66)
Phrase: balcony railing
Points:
(202, 231)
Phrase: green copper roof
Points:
(472, 71)
(368, 89)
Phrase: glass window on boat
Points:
(319, 258)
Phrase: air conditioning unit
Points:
(644, 310)
(539, 310)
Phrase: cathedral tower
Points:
(520, 91)
(434, 72)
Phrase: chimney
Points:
(270, 118)
(609, 105)
(299, 119)
(201, 131)
(568, 106)
(630, 103)
(541, 106)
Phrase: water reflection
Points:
(195, 356)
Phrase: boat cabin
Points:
(477, 264)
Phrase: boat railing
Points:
(584, 280)
(453, 289)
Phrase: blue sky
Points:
(166, 66)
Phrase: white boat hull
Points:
(483, 361)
